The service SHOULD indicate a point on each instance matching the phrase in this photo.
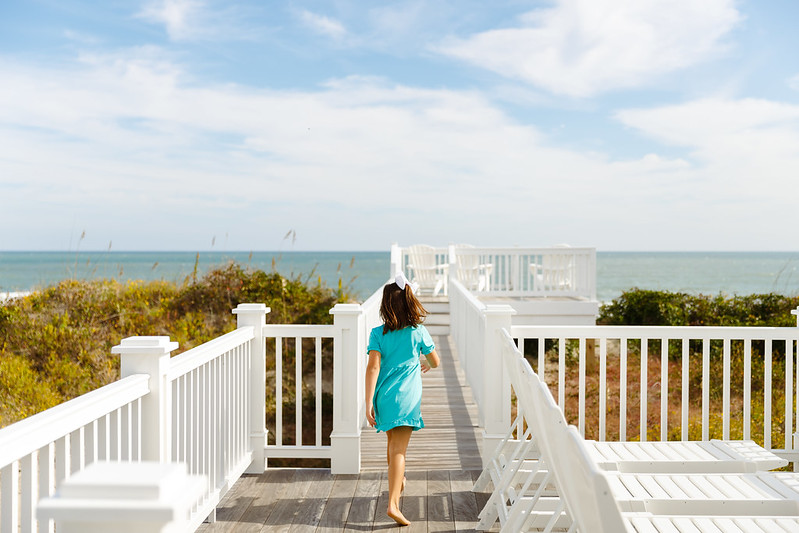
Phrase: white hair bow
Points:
(402, 282)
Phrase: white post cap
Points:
(145, 345)
(115, 493)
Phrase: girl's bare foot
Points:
(398, 517)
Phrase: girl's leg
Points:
(398, 439)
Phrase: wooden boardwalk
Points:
(443, 461)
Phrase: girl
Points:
(394, 379)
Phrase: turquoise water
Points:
(363, 272)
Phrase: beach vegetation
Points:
(55, 344)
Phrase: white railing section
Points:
(700, 355)
(205, 408)
(467, 328)
(525, 272)
(210, 392)
(286, 349)
(292, 343)
(621, 370)
(37, 453)
(563, 272)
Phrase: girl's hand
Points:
(425, 366)
(370, 415)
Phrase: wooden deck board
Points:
(442, 463)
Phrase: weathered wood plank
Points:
(364, 502)
(439, 502)
(234, 504)
(312, 505)
(414, 502)
(464, 503)
(339, 503)
(285, 509)
(269, 490)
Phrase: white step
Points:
(436, 320)
(436, 307)
(437, 330)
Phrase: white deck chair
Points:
(516, 460)
(424, 269)
(589, 500)
(766, 494)
(471, 273)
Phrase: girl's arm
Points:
(372, 371)
(431, 360)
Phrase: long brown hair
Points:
(400, 308)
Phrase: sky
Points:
(348, 125)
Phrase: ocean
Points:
(363, 272)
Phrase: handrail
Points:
(683, 350)
(298, 330)
(196, 357)
(659, 332)
(39, 430)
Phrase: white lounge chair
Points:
(515, 461)
(589, 500)
(425, 271)
(556, 272)
(770, 496)
(473, 274)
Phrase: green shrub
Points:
(638, 307)
(56, 343)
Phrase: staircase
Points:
(437, 321)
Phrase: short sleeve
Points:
(427, 341)
(374, 340)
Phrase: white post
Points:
(349, 356)
(124, 497)
(496, 385)
(396, 260)
(795, 312)
(150, 355)
(254, 315)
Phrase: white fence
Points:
(524, 272)
(205, 408)
(677, 360)
(37, 453)
(719, 382)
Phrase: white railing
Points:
(526, 272)
(298, 346)
(205, 408)
(620, 371)
(336, 354)
(534, 272)
(210, 393)
(37, 453)
(467, 328)
(681, 360)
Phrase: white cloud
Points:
(362, 161)
(179, 16)
(584, 47)
(745, 149)
(323, 24)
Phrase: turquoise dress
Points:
(398, 393)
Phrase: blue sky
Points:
(202, 125)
